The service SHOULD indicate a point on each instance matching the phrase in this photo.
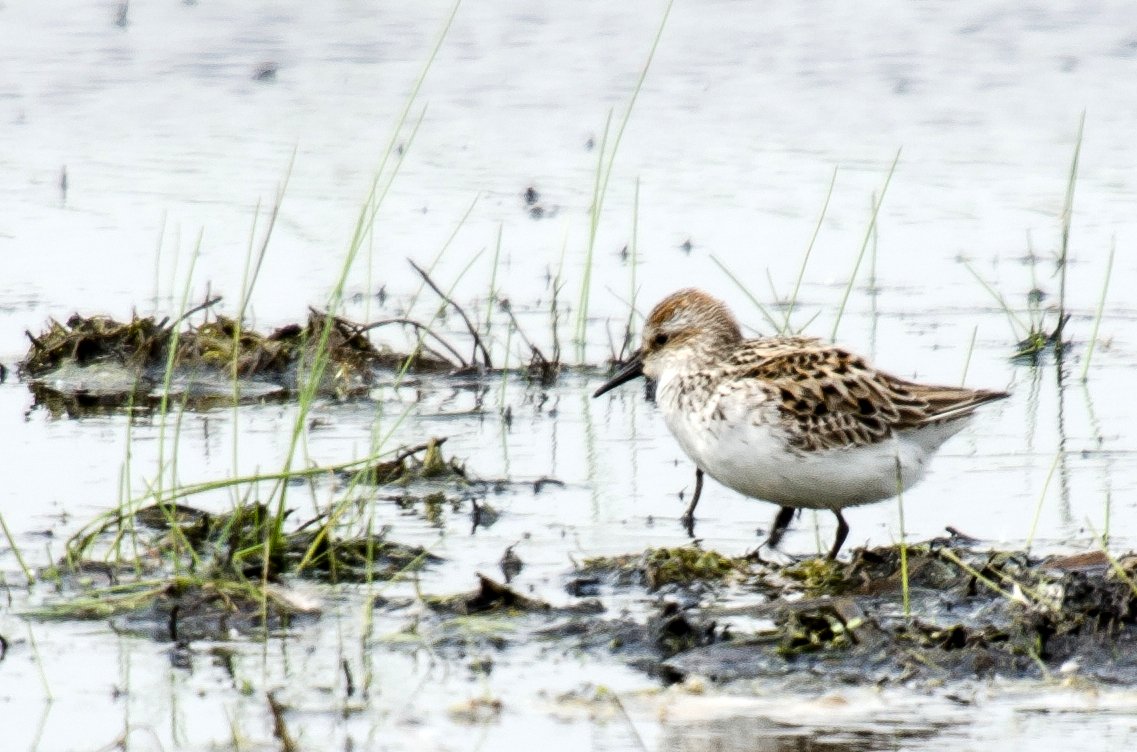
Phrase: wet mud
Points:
(971, 614)
(938, 611)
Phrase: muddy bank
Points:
(970, 614)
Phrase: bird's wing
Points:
(830, 398)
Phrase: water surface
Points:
(170, 143)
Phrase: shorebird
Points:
(789, 420)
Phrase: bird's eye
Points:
(660, 340)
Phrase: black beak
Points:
(632, 369)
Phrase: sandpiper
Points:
(789, 420)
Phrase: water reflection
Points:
(750, 734)
(1061, 366)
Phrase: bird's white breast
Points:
(733, 432)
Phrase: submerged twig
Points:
(505, 306)
(478, 345)
(418, 326)
(196, 309)
(547, 368)
(411, 451)
(279, 727)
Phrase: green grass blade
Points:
(1067, 219)
(757, 304)
(864, 246)
(808, 250)
(1100, 311)
(600, 187)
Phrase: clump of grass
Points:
(230, 546)
(685, 564)
(218, 563)
(1039, 332)
(225, 563)
(151, 352)
(85, 339)
(657, 567)
(1042, 330)
(819, 576)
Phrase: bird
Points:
(789, 419)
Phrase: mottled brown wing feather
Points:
(830, 398)
(948, 402)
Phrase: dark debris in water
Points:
(492, 616)
(669, 630)
(422, 462)
(184, 609)
(490, 595)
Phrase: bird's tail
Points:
(949, 403)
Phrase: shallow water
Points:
(165, 135)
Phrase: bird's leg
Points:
(688, 518)
(842, 531)
(781, 521)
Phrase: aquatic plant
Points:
(605, 160)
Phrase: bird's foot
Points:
(771, 557)
(688, 523)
